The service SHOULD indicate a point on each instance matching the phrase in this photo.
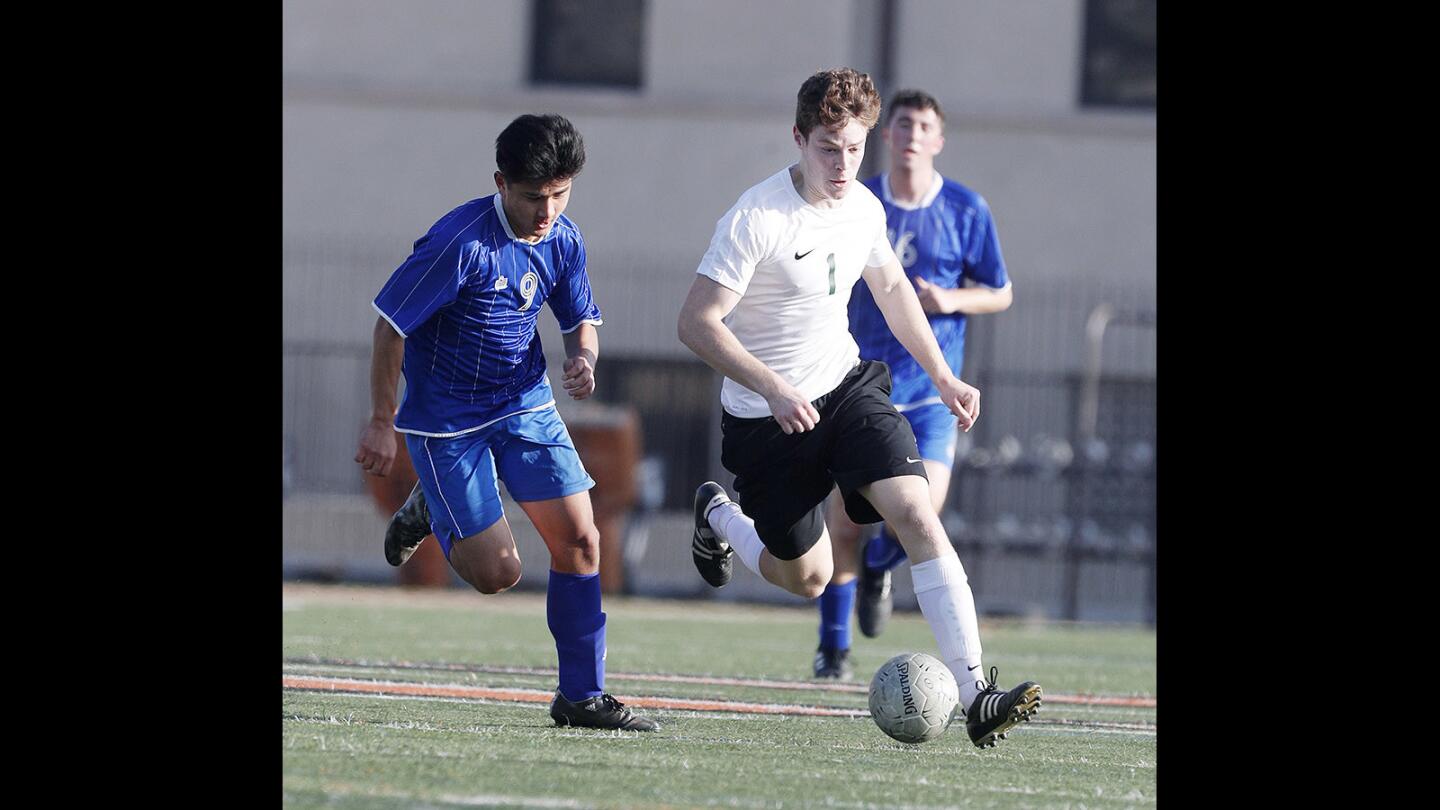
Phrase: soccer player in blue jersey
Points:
(803, 413)
(946, 240)
(459, 318)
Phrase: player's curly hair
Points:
(539, 148)
(916, 100)
(831, 98)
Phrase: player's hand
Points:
(792, 410)
(933, 299)
(377, 447)
(579, 379)
(963, 400)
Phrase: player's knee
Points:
(499, 577)
(809, 581)
(915, 519)
(844, 538)
(813, 579)
(489, 574)
(585, 549)
(811, 586)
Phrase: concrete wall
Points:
(368, 43)
(390, 114)
(983, 57)
(1073, 191)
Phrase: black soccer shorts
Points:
(781, 481)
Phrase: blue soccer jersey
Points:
(950, 240)
(466, 302)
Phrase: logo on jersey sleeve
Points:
(528, 283)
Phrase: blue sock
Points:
(572, 609)
(883, 552)
(836, 602)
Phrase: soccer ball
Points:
(912, 697)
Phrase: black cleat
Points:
(994, 712)
(873, 602)
(833, 664)
(712, 555)
(407, 528)
(601, 711)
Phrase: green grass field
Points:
(388, 751)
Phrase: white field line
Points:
(400, 689)
(707, 680)
(333, 791)
(341, 790)
(323, 684)
(1035, 727)
(500, 800)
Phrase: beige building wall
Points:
(1073, 190)
(391, 110)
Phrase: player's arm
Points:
(967, 300)
(582, 348)
(984, 266)
(897, 301)
(377, 440)
(703, 331)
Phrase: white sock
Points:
(943, 591)
(735, 528)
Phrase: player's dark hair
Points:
(917, 100)
(539, 148)
(830, 98)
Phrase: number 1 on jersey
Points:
(831, 260)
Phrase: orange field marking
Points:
(537, 696)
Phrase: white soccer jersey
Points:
(794, 265)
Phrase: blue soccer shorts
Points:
(531, 452)
(935, 432)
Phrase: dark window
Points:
(1119, 69)
(590, 42)
(678, 402)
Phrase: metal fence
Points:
(1059, 474)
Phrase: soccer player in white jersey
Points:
(458, 317)
(802, 413)
(945, 238)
